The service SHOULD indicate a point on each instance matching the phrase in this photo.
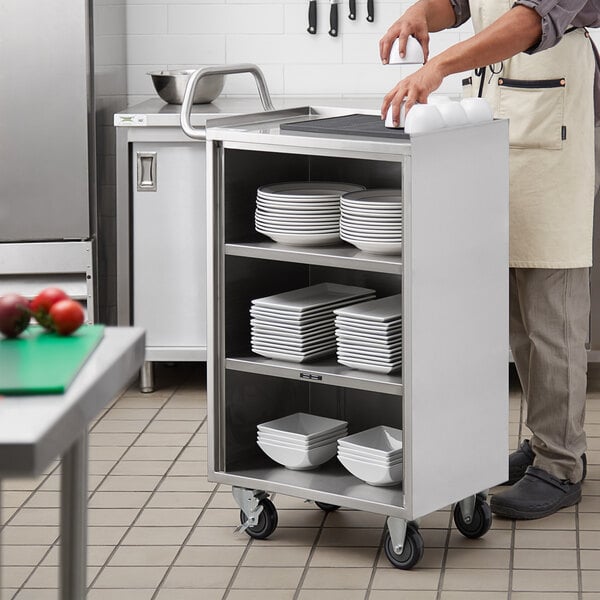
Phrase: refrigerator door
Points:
(44, 125)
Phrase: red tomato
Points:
(41, 304)
(14, 314)
(66, 316)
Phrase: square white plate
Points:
(382, 310)
(313, 297)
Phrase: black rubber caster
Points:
(267, 521)
(480, 523)
(412, 551)
(326, 507)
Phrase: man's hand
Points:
(415, 88)
(412, 22)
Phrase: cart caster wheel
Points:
(326, 507)
(267, 521)
(481, 522)
(412, 551)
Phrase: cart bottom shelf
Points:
(330, 483)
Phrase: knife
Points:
(312, 16)
(370, 11)
(333, 18)
(352, 15)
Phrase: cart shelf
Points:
(328, 372)
(342, 255)
(330, 483)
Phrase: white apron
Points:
(548, 98)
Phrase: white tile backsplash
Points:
(164, 34)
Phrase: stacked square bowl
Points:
(373, 455)
(301, 441)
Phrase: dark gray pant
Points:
(549, 321)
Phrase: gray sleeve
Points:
(462, 11)
(556, 15)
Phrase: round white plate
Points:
(299, 213)
(380, 198)
(374, 215)
(307, 189)
(369, 230)
(299, 203)
(318, 239)
(296, 231)
(349, 236)
(372, 222)
(300, 228)
(329, 221)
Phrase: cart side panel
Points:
(456, 314)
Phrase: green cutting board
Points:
(40, 362)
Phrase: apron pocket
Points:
(535, 108)
(467, 87)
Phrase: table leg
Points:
(73, 520)
(1, 527)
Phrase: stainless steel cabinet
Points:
(161, 242)
(169, 249)
(451, 399)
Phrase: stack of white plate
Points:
(301, 441)
(369, 335)
(301, 213)
(299, 325)
(372, 220)
(373, 455)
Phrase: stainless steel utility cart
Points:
(451, 399)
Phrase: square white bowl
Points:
(381, 441)
(303, 426)
(299, 459)
(368, 457)
(272, 438)
(371, 473)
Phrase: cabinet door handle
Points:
(146, 171)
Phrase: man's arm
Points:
(418, 20)
(517, 30)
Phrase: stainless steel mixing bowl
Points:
(170, 86)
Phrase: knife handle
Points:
(352, 15)
(333, 20)
(370, 11)
(312, 16)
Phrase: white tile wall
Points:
(166, 34)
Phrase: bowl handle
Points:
(199, 133)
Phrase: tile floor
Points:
(158, 530)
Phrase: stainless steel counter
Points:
(156, 113)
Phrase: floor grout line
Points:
(375, 563)
(309, 558)
(440, 587)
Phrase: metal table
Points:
(35, 430)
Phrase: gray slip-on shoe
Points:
(523, 457)
(537, 494)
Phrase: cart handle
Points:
(199, 133)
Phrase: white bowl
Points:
(274, 438)
(381, 441)
(413, 55)
(389, 123)
(299, 459)
(453, 113)
(422, 118)
(303, 426)
(477, 110)
(366, 457)
(371, 473)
